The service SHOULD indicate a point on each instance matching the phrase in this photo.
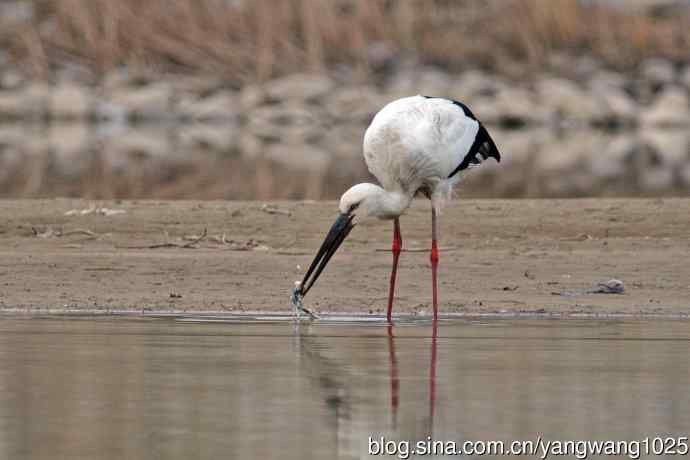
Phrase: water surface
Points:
(92, 388)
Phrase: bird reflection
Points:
(332, 387)
(395, 379)
(326, 372)
(432, 378)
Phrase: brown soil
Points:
(501, 256)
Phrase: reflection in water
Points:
(111, 389)
(217, 161)
(330, 381)
(395, 380)
(432, 378)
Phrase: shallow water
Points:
(90, 388)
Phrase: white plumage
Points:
(414, 145)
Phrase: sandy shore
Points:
(523, 256)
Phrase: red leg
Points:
(432, 376)
(395, 381)
(434, 260)
(397, 246)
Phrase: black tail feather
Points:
(483, 145)
(489, 146)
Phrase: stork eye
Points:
(353, 207)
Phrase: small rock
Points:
(274, 209)
(605, 79)
(616, 103)
(473, 84)
(251, 97)
(612, 286)
(669, 145)
(30, 102)
(137, 142)
(566, 100)
(69, 101)
(150, 101)
(219, 137)
(658, 71)
(671, 107)
(299, 87)
(270, 122)
(357, 103)
(195, 84)
(508, 107)
(221, 105)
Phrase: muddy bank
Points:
(501, 256)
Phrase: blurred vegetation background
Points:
(242, 99)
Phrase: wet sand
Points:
(498, 257)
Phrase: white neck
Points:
(388, 205)
(375, 201)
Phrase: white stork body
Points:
(417, 145)
(414, 145)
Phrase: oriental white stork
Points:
(416, 145)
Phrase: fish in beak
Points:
(335, 237)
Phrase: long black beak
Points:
(335, 237)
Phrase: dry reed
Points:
(249, 40)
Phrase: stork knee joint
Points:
(434, 253)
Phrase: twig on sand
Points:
(192, 242)
(50, 233)
(248, 245)
(273, 209)
(81, 231)
(612, 286)
(195, 239)
(93, 209)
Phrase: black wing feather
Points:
(483, 144)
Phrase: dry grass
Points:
(247, 40)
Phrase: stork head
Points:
(360, 199)
(372, 200)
